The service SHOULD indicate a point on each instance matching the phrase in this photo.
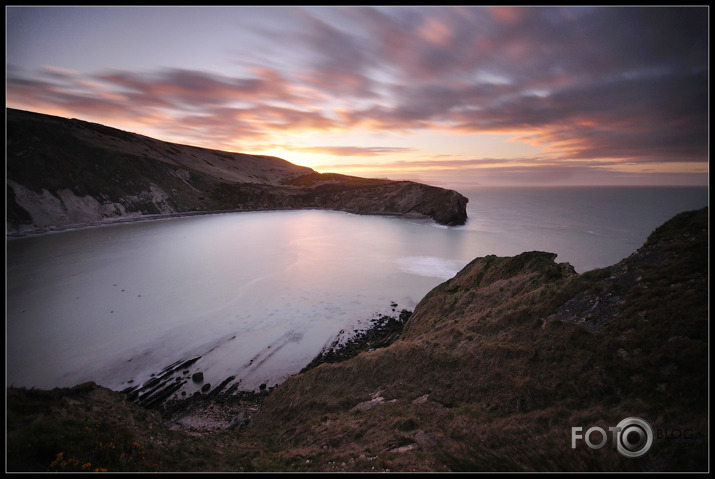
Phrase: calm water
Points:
(258, 295)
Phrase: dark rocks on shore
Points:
(383, 331)
(161, 386)
(214, 410)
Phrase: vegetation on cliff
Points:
(491, 372)
(63, 172)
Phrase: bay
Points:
(258, 295)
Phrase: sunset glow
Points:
(444, 95)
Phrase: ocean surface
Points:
(258, 295)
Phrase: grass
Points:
(325, 179)
(69, 444)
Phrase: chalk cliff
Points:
(63, 172)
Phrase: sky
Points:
(458, 96)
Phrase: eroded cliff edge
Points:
(491, 373)
(63, 172)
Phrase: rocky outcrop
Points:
(500, 362)
(384, 197)
(63, 172)
(609, 298)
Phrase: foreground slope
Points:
(491, 372)
(497, 364)
(63, 172)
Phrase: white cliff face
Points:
(155, 195)
(66, 208)
(44, 208)
(82, 209)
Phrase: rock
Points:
(365, 405)
(384, 330)
(205, 387)
(197, 377)
(403, 449)
(424, 439)
(623, 354)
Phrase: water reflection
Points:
(268, 290)
(258, 295)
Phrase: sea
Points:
(257, 295)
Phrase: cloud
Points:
(585, 82)
(653, 117)
(173, 86)
(363, 151)
(533, 171)
(467, 163)
(623, 84)
(207, 108)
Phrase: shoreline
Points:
(118, 220)
(16, 233)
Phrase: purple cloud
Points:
(621, 83)
(353, 150)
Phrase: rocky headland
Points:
(490, 373)
(63, 173)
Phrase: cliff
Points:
(63, 172)
(491, 372)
